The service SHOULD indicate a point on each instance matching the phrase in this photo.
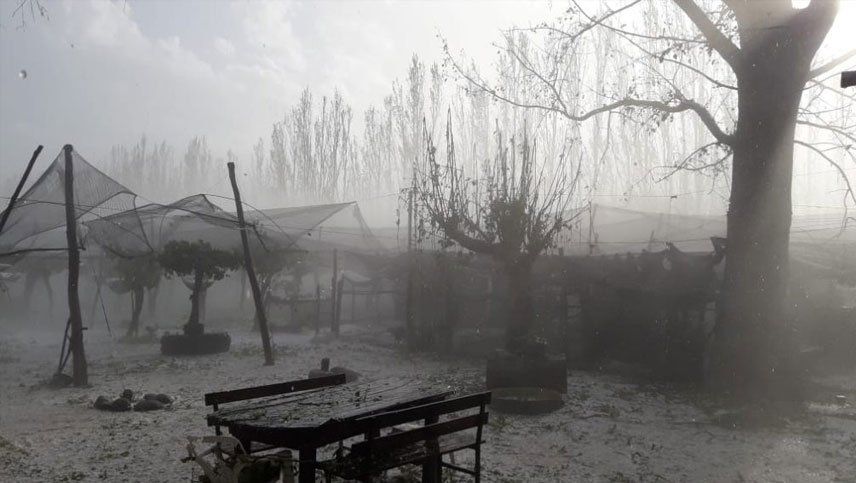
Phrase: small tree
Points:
(200, 260)
(135, 275)
(510, 213)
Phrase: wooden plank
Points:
(272, 389)
(401, 416)
(301, 433)
(354, 466)
(425, 433)
(320, 416)
(413, 399)
(342, 403)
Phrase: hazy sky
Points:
(101, 73)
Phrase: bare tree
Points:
(146, 168)
(510, 212)
(197, 161)
(759, 57)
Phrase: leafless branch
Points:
(823, 69)
(849, 188)
(717, 40)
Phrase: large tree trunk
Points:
(522, 309)
(153, 299)
(752, 344)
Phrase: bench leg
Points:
(432, 470)
(478, 464)
(306, 466)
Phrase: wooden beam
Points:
(251, 273)
(79, 372)
(243, 394)
(20, 186)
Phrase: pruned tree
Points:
(203, 263)
(135, 276)
(758, 60)
(510, 212)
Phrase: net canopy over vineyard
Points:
(109, 219)
(819, 241)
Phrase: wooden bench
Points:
(215, 399)
(386, 447)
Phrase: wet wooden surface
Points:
(317, 407)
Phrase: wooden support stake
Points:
(353, 304)
(408, 301)
(20, 186)
(340, 288)
(78, 376)
(334, 285)
(251, 273)
(317, 305)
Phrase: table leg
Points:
(306, 467)
(432, 469)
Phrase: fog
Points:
(427, 241)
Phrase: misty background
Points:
(187, 86)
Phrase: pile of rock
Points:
(125, 402)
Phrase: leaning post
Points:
(18, 188)
(251, 273)
(79, 376)
(334, 285)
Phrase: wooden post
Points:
(20, 186)
(353, 304)
(408, 301)
(340, 288)
(251, 273)
(591, 230)
(317, 305)
(75, 344)
(334, 285)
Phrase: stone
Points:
(120, 405)
(149, 405)
(161, 398)
(102, 403)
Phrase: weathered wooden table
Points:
(312, 419)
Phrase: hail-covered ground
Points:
(611, 428)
